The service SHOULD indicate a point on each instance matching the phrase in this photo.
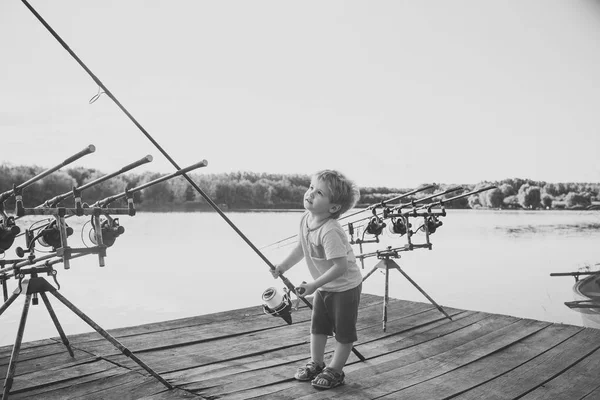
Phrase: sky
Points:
(392, 93)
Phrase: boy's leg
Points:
(340, 356)
(345, 311)
(317, 347)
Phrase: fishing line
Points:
(287, 283)
(155, 143)
(381, 204)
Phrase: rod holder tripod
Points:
(386, 263)
(30, 288)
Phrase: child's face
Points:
(316, 199)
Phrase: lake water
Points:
(173, 265)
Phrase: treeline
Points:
(249, 190)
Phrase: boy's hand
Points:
(305, 289)
(277, 271)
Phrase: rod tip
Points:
(91, 148)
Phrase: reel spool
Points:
(433, 223)
(277, 304)
(110, 229)
(398, 226)
(375, 226)
(8, 232)
(50, 235)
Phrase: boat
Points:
(587, 300)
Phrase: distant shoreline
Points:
(207, 208)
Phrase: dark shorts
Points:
(336, 313)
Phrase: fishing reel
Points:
(8, 232)
(375, 226)
(49, 236)
(110, 230)
(277, 304)
(399, 226)
(433, 223)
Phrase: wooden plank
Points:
(189, 335)
(420, 363)
(213, 318)
(56, 390)
(58, 374)
(128, 385)
(176, 394)
(250, 378)
(209, 331)
(196, 354)
(579, 380)
(408, 357)
(538, 370)
(370, 345)
(506, 374)
(243, 354)
(593, 395)
(32, 350)
(47, 361)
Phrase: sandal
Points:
(309, 371)
(328, 379)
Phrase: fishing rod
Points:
(16, 190)
(8, 228)
(400, 224)
(376, 222)
(382, 203)
(110, 199)
(103, 233)
(286, 281)
(460, 196)
(57, 199)
(77, 191)
(426, 209)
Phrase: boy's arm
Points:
(292, 259)
(340, 265)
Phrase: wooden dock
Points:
(244, 354)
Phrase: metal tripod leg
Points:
(386, 264)
(8, 302)
(12, 365)
(386, 296)
(394, 265)
(57, 324)
(111, 339)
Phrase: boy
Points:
(337, 280)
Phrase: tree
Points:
(511, 202)
(225, 193)
(547, 200)
(474, 201)
(494, 198)
(50, 186)
(573, 199)
(529, 196)
(159, 193)
(261, 192)
(507, 190)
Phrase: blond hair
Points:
(343, 191)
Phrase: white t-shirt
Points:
(324, 243)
